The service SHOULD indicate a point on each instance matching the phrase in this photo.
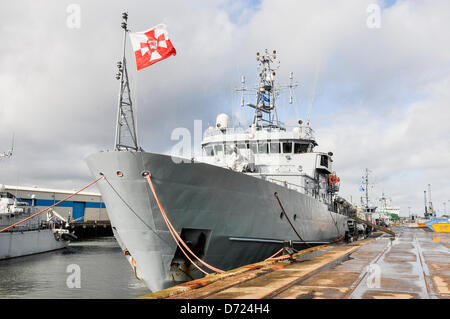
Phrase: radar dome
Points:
(222, 121)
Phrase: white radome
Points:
(222, 121)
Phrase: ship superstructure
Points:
(268, 149)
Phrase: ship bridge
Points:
(268, 149)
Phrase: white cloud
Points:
(381, 99)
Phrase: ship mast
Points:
(430, 205)
(126, 132)
(425, 202)
(366, 183)
(266, 92)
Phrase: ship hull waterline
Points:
(237, 214)
(30, 242)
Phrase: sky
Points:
(375, 87)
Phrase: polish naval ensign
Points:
(151, 46)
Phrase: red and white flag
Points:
(151, 46)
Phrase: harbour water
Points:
(103, 273)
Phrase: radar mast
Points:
(267, 91)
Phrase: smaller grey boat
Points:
(36, 235)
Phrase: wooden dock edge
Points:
(209, 279)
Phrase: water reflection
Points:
(105, 273)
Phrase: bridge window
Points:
(287, 147)
(263, 148)
(253, 147)
(300, 148)
(229, 148)
(242, 146)
(324, 160)
(274, 148)
(218, 149)
(209, 150)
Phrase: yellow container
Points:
(441, 228)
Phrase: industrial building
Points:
(85, 207)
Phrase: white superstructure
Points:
(268, 149)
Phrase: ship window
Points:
(209, 150)
(242, 146)
(263, 148)
(229, 148)
(274, 148)
(287, 147)
(324, 160)
(252, 146)
(300, 148)
(218, 149)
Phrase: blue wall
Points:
(77, 207)
(50, 202)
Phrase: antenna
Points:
(291, 87)
(430, 205)
(267, 91)
(366, 183)
(8, 153)
(308, 115)
(425, 202)
(126, 133)
(242, 90)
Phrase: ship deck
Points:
(414, 264)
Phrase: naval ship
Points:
(20, 233)
(251, 191)
(35, 235)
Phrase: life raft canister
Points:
(333, 179)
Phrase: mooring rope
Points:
(271, 257)
(46, 209)
(289, 221)
(175, 235)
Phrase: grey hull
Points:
(238, 212)
(17, 244)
